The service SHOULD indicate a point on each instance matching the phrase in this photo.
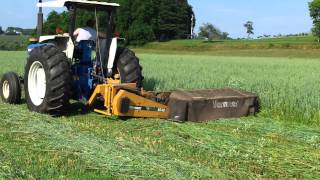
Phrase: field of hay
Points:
(13, 43)
(292, 47)
(283, 141)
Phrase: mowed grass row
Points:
(86, 145)
(90, 146)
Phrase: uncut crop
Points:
(288, 88)
(13, 43)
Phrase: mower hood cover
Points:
(205, 105)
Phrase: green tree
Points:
(174, 19)
(249, 27)
(210, 32)
(54, 21)
(139, 21)
(314, 8)
(136, 21)
(1, 31)
(168, 19)
(225, 35)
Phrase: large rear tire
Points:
(47, 81)
(129, 67)
(10, 88)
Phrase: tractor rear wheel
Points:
(10, 88)
(128, 66)
(47, 81)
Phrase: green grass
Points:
(13, 43)
(303, 47)
(283, 142)
(284, 42)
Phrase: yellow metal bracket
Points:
(140, 104)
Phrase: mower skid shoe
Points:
(205, 105)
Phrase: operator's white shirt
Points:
(87, 33)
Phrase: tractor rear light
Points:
(117, 34)
(59, 30)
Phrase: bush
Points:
(13, 43)
(286, 45)
(271, 45)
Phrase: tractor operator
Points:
(88, 32)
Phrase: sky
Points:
(270, 17)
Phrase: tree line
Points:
(314, 7)
(211, 32)
(139, 21)
(16, 31)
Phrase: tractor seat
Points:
(87, 44)
(83, 51)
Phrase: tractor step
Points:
(205, 105)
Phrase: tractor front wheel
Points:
(10, 88)
(47, 81)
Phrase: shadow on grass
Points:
(74, 109)
(149, 84)
(78, 108)
(213, 41)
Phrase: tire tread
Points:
(57, 69)
(129, 67)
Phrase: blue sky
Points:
(269, 16)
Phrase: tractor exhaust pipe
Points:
(40, 21)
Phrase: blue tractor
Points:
(59, 69)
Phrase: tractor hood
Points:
(62, 3)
